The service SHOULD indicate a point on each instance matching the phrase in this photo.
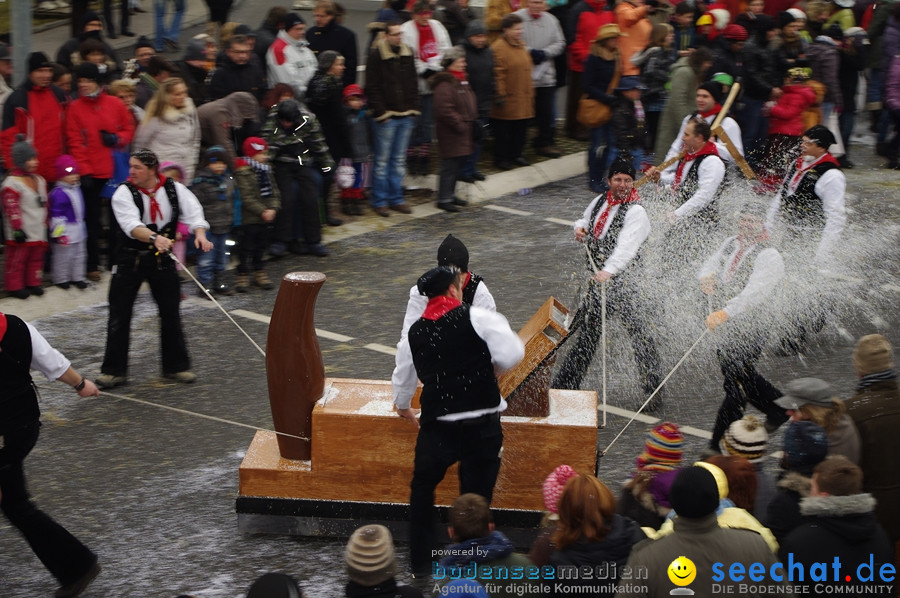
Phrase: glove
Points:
(538, 56)
(716, 318)
(19, 236)
(109, 139)
(427, 73)
(708, 284)
(63, 240)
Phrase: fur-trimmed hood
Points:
(796, 482)
(384, 49)
(172, 114)
(837, 506)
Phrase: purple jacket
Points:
(892, 86)
(66, 212)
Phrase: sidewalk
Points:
(49, 38)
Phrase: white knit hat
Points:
(745, 438)
(370, 556)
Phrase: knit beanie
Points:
(784, 18)
(214, 153)
(747, 438)
(554, 484)
(353, 90)
(452, 55)
(436, 281)
(87, 70)
(623, 164)
(290, 20)
(143, 42)
(453, 252)
(734, 33)
(275, 585)
(22, 151)
(872, 355)
(38, 60)
(805, 446)
(798, 14)
(370, 556)
(662, 449)
(253, 146)
(65, 165)
(475, 28)
(195, 50)
(820, 135)
(89, 17)
(169, 165)
(694, 493)
(714, 89)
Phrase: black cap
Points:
(291, 19)
(694, 493)
(38, 60)
(436, 281)
(4, 51)
(244, 30)
(622, 164)
(143, 42)
(87, 70)
(89, 17)
(714, 89)
(820, 135)
(453, 252)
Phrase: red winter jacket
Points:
(85, 118)
(589, 23)
(36, 113)
(786, 116)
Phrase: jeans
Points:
(174, 29)
(600, 137)
(846, 121)
(391, 140)
(424, 129)
(213, 261)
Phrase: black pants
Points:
(299, 214)
(60, 552)
(544, 117)
(509, 139)
(737, 355)
(131, 272)
(450, 169)
(123, 17)
(93, 205)
(252, 241)
(625, 301)
(476, 445)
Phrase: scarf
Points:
(460, 75)
(155, 211)
(708, 149)
(744, 245)
(803, 166)
(438, 306)
(262, 176)
(428, 48)
(610, 202)
(870, 379)
(711, 112)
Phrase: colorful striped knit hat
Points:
(662, 449)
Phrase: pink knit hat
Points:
(65, 165)
(554, 484)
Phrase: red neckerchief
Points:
(461, 75)
(468, 278)
(743, 245)
(155, 211)
(610, 202)
(708, 148)
(802, 170)
(438, 306)
(2, 325)
(711, 112)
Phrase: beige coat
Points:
(514, 96)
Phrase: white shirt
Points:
(830, 188)
(635, 230)
(45, 358)
(710, 175)
(506, 350)
(129, 218)
(768, 270)
(441, 40)
(729, 125)
(417, 303)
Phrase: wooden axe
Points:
(738, 158)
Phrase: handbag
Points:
(594, 113)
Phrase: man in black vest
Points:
(810, 208)
(613, 228)
(147, 208)
(743, 278)
(457, 351)
(696, 183)
(22, 348)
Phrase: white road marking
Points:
(381, 348)
(560, 221)
(508, 210)
(648, 419)
(334, 336)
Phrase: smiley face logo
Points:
(682, 571)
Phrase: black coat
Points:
(842, 527)
(338, 38)
(760, 75)
(480, 70)
(230, 77)
(324, 96)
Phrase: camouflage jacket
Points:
(304, 144)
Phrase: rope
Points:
(219, 305)
(200, 415)
(653, 394)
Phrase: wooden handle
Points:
(738, 158)
(732, 96)
(661, 167)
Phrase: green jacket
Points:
(252, 202)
